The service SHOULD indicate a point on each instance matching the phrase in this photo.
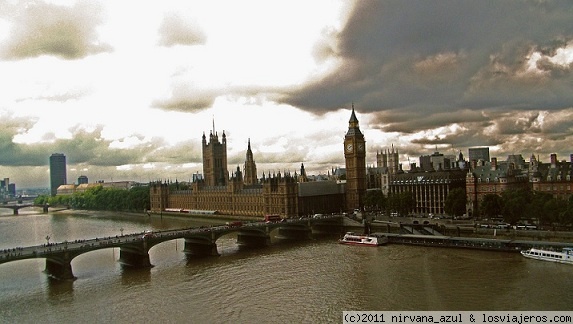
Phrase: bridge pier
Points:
(200, 247)
(15, 211)
(60, 268)
(135, 259)
(46, 208)
(295, 233)
(253, 239)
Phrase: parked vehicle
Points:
(272, 218)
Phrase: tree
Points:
(515, 203)
(374, 200)
(536, 208)
(402, 202)
(99, 198)
(455, 203)
(491, 205)
(566, 216)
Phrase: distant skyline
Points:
(126, 89)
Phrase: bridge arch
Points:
(134, 248)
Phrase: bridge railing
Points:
(9, 254)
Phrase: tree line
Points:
(518, 204)
(99, 198)
(511, 205)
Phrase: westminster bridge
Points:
(199, 241)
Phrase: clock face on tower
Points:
(360, 147)
(349, 147)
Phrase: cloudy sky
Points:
(125, 89)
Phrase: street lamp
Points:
(48, 239)
(121, 230)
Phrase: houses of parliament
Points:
(284, 194)
(291, 195)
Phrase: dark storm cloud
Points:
(527, 132)
(404, 121)
(12, 154)
(47, 29)
(432, 57)
(176, 30)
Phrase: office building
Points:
(478, 154)
(57, 172)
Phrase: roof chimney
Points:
(494, 163)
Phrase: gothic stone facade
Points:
(275, 195)
(355, 158)
(279, 194)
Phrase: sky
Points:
(126, 89)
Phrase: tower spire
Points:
(353, 122)
(213, 124)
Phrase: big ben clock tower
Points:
(355, 157)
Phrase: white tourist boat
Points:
(565, 256)
(367, 240)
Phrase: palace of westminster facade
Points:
(292, 195)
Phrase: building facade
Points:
(429, 189)
(215, 159)
(491, 178)
(58, 175)
(7, 189)
(243, 193)
(555, 177)
(387, 165)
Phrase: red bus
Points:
(234, 224)
(272, 218)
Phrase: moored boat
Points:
(565, 256)
(367, 240)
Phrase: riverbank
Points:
(454, 230)
(111, 214)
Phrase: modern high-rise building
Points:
(57, 172)
(479, 153)
(7, 189)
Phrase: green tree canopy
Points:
(491, 205)
(455, 203)
(99, 198)
(402, 202)
(374, 200)
(515, 203)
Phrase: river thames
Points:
(303, 282)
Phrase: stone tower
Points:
(388, 159)
(250, 168)
(355, 157)
(215, 159)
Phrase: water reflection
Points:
(314, 280)
(60, 289)
(131, 276)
